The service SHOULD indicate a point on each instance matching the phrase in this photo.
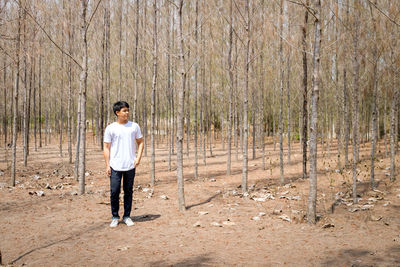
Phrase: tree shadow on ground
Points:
(75, 234)
(202, 260)
(145, 217)
(203, 202)
(362, 257)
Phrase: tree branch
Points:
(383, 13)
(48, 36)
(91, 17)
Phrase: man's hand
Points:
(137, 162)
(140, 151)
(106, 151)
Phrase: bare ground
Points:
(220, 227)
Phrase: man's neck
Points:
(122, 122)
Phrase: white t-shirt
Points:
(122, 138)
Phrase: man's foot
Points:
(128, 221)
(114, 223)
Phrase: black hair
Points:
(119, 105)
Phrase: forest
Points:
(244, 88)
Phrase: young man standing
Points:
(121, 160)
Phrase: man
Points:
(121, 160)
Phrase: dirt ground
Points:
(43, 222)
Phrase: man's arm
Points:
(106, 152)
(140, 151)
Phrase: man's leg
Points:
(115, 187)
(129, 177)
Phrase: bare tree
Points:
(230, 69)
(153, 94)
(245, 101)
(281, 77)
(5, 101)
(82, 92)
(15, 102)
(355, 114)
(135, 63)
(181, 98)
(305, 92)
(196, 67)
(312, 196)
(374, 105)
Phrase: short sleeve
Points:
(138, 132)
(107, 135)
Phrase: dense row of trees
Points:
(306, 70)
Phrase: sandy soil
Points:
(221, 227)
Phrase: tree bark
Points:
(5, 101)
(135, 64)
(245, 101)
(312, 197)
(281, 77)
(305, 93)
(230, 69)
(374, 96)
(356, 116)
(15, 102)
(196, 67)
(153, 96)
(83, 89)
(181, 99)
(69, 104)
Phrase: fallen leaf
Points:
(328, 225)
(284, 217)
(197, 224)
(216, 224)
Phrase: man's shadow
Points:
(145, 217)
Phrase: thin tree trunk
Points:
(203, 96)
(393, 134)
(25, 103)
(83, 88)
(312, 197)
(153, 96)
(5, 101)
(69, 105)
(385, 122)
(339, 98)
(356, 116)
(135, 64)
(245, 101)
(196, 66)
(120, 49)
(281, 77)
(108, 61)
(305, 93)
(346, 119)
(374, 106)
(34, 103)
(181, 98)
(169, 89)
(61, 90)
(187, 110)
(288, 95)
(40, 100)
(144, 80)
(230, 69)
(15, 107)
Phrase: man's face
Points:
(123, 114)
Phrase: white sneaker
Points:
(128, 221)
(114, 223)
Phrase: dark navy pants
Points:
(115, 187)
